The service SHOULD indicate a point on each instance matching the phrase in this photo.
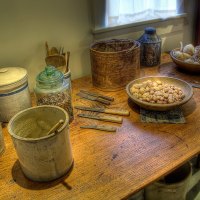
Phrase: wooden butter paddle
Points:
(100, 127)
(103, 118)
(105, 110)
(92, 98)
(98, 95)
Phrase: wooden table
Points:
(110, 165)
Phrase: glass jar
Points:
(67, 79)
(150, 50)
(52, 89)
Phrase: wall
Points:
(26, 25)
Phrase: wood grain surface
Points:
(170, 69)
(110, 165)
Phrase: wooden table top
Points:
(110, 165)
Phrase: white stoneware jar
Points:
(42, 156)
(14, 92)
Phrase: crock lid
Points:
(50, 75)
(11, 75)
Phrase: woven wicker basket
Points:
(114, 63)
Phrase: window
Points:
(120, 12)
(109, 13)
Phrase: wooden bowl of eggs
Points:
(187, 57)
(159, 93)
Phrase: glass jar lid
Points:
(149, 36)
(50, 76)
(150, 30)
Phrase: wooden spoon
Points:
(55, 128)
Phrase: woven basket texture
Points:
(114, 63)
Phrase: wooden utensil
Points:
(105, 110)
(103, 118)
(92, 98)
(47, 49)
(55, 127)
(67, 65)
(100, 127)
(97, 95)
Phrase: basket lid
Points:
(12, 76)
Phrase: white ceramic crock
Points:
(14, 92)
(42, 157)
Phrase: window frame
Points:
(99, 11)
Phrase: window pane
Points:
(129, 11)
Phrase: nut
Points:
(157, 92)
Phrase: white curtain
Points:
(120, 12)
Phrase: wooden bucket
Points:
(172, 187)
(114, 63)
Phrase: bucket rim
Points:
(65, 124)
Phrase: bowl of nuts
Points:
(159, 93)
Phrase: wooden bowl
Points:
(184, 65)
(184, 86)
